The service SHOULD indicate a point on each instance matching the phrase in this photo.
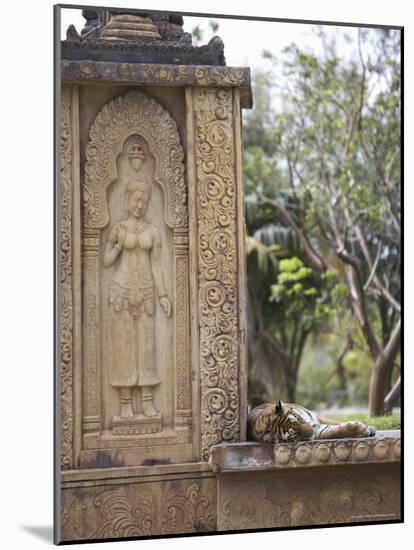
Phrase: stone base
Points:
(262, 486)
(137, 425)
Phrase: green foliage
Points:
(198, 33)
(214, 26)
(387, 422)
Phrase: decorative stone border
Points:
(160, 75)
(248, 456)
(337, 451)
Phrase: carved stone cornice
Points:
(248, 456)
(145, 51)
(151, 74)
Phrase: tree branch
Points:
(314, 258)
(384, 291)
(374, 267)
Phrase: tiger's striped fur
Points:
(269, 423)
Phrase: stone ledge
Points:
(248, 456)
(159, 75)
(125, 472)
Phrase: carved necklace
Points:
(138, 228)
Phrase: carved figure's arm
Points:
(156, 264)
(157, 272)
(113, 245)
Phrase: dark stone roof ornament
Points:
(138, 38)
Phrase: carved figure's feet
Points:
(126, 410)
(148, 407)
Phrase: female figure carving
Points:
(134, 245)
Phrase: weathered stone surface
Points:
(138, 37)
(145, 52)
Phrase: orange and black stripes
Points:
(269, 423)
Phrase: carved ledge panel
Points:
(352, 494)
(248, 456)
(145, 508)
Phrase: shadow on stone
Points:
(44, 532)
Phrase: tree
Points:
(334, 144)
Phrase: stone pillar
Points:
(152, 265)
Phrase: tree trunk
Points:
(291, 387)
(383, 362)
(340, 370)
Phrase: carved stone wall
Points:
(192, 222)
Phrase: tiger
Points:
(289, 422)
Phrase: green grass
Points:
(388, 422)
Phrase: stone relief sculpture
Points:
(134, 248)
(134, 152)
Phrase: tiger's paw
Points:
(355, 428)
(370, 431)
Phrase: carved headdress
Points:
(136, 157)
(139, 185)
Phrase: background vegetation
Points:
(322, 169)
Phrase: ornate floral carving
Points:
(133, 113)
(187, 512)
(181, 334)
(121, 518)
(66, 352)
(218, 266)
(139, 509)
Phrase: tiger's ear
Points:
(279, 407)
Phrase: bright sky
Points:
(245, 40)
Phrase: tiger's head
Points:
(288, 423)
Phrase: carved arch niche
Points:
(135, 119)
